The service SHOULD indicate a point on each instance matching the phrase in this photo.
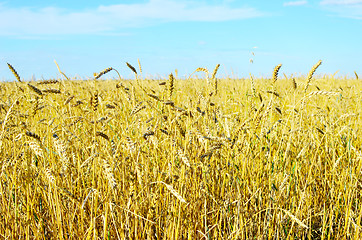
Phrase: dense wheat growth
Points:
(209, 158)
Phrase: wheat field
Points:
(195, 158)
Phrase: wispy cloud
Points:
(341, 2)
(295, 3)
(112, 18)
(344, 8)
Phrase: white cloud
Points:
(295, 3)
(341, 2)
(112, 18)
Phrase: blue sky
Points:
(87, 36)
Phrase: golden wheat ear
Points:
(12, 69)
(170, 85)
(94, 101)
(276, 72)
(107, 70)
(310, 74)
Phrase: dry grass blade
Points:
(355, 73)
(12, 69)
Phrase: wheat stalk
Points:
(252, 85)
(61, 71)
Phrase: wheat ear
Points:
(95, 101)
(275, 73)
(14, 72)
(355, 73)
(109, 174)
(174, 192)
(132, 68)
(52, 81)
(170, 85)
(35, 89)
(294, 84)
(310, 74)
(33, 135)
(103, 135)
(139, 66)
(107, 70)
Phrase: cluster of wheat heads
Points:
(181, 159)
